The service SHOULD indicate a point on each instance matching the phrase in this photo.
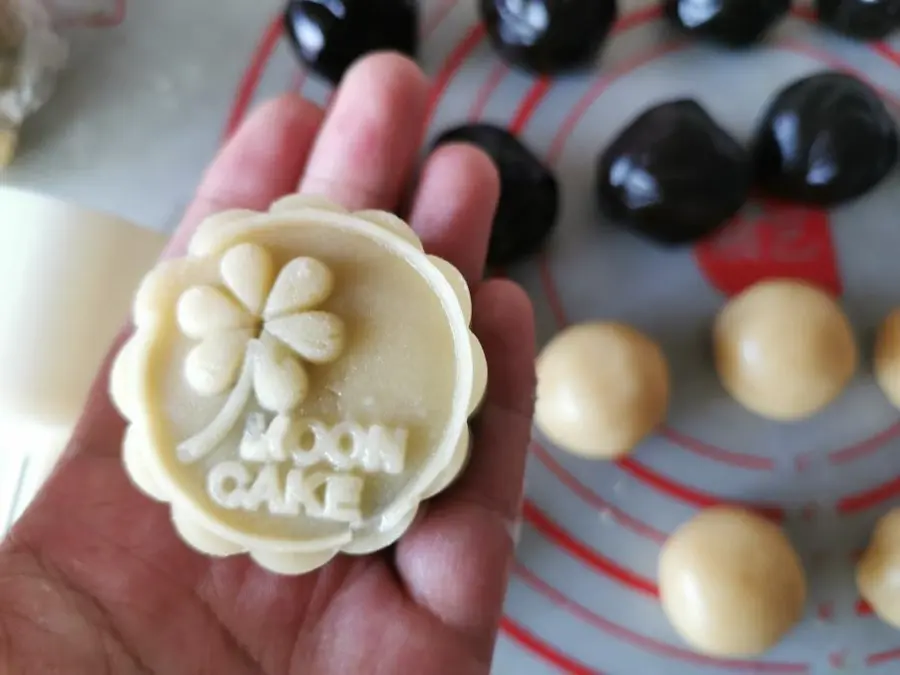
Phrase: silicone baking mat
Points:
(582, 598)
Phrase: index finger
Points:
(260, 163)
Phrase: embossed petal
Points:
(212, 366)
(302, 284)
(316, 336)
(248, 272)
(279, 380)
(206, 310)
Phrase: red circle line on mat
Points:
(594, 500)
(882, 657)
(651, 645)
(477, 33)
(252, 75)
(483, 97)
(866, 447)
(545, 651)
(263, 53)
(584, 553)
(864, 609)
(869, 498)
(637, 470)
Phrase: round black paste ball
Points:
(824, 140)
(673, 175)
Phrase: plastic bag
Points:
(31, 55)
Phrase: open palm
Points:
(93, 578)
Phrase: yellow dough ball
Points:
(784, 349)
(887, 357)
(878, 570)
(730, 583)
(602, 387)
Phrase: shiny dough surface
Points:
(602, 387)
(730, 582)
(784, 349)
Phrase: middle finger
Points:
(367, 149)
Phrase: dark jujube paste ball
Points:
(329, 35)
(548, 36)
(673, 175)
(860, 19)
(735, 23)
(529, 195)
(824, 140)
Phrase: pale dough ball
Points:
(730, 583)
(784, 349)
(887, 357)
(878, 571)
(602, 387)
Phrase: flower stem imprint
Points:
(201, 444)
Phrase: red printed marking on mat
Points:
(684, 441)
(887, 52)
(487, 90)
(594, 500)
(453, 63)
(649, 644)
(867, 499)
(686, 494)
(250, 79)
(837, 659)
(580, 551)
(529, 104)
(863, 608)
(866, 447)
(263, 53)
(883, 657)
(545, 651)
(782, 242)
(716, 453)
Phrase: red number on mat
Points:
(781, 242)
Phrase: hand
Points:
(93, 578)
